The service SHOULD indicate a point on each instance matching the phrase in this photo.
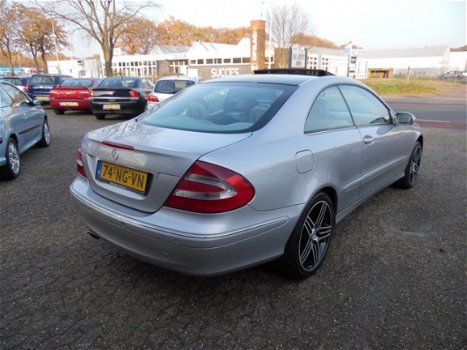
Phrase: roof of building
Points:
(168, 49)
(427, 51)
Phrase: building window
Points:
(218, 60)
(246, 59)
(192, 61)
(227, 60)
(237, 60)
(200, 61)
(209, 61)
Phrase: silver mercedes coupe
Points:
(235, 172)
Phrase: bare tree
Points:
(286, 22)
(103, 20)
(8, 32)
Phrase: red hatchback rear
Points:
(72, 94)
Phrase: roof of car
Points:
(268, 78)
(179, 77)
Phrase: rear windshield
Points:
(77, 82)
(126, 83)
(42, 79)
(221, 107)
(14, 81)
(171, 86)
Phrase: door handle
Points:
(368, 140)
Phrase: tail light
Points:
(52, 93)
(153, 98)
(134, 93)
(79, 163)
(209, 188)
(27, 88)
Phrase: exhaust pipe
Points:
(92, 234)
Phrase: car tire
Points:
(59, 111)
(45, 139)
(309, 242)
(12, 167)
(99, 116)
(411, 171)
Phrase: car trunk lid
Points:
(152, 159)
(70, 92)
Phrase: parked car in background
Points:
(120, 95)
(452, 75)
(39, 85)
(168, 86)
(235, 172)
(72, 94)
(19, 82)
(23, 124)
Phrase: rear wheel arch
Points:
(332, 193)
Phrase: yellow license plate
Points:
(43, 98)
(111, 106)
(127, 178)
(69, 104)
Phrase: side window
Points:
(5, 100)
(16, 95)
(329, 111)
(366, 108)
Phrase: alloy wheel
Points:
(315, 236)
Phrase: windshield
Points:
(77, 82)
(221, 107)
(171, 86)
(119, 82)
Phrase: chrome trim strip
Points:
(358, 182)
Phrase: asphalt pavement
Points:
(394, 277)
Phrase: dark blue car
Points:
(39, 85)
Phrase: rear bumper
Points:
(194, 253)
(125, 107)
(65, 104)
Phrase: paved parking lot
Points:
(393, 279)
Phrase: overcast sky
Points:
(368, 23)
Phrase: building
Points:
(77, 67)
(428, 61)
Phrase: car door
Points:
(30, 127)
(383, 142)
(336, 145)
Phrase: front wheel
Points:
(411, 171)
(12, 167)
(307, 246)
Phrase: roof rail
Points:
(300, 71)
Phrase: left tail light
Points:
(26, 88)
(134, 93)
(209, 188)
(79, 163)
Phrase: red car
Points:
(72, 94)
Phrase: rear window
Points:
(42, 79)
(77, 82)
(221, 107)
(14, 81)
(172, 86)
(126, 83)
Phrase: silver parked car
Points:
(23, 124)
(235, 172)
(168, 86)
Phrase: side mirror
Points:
(405, 118)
